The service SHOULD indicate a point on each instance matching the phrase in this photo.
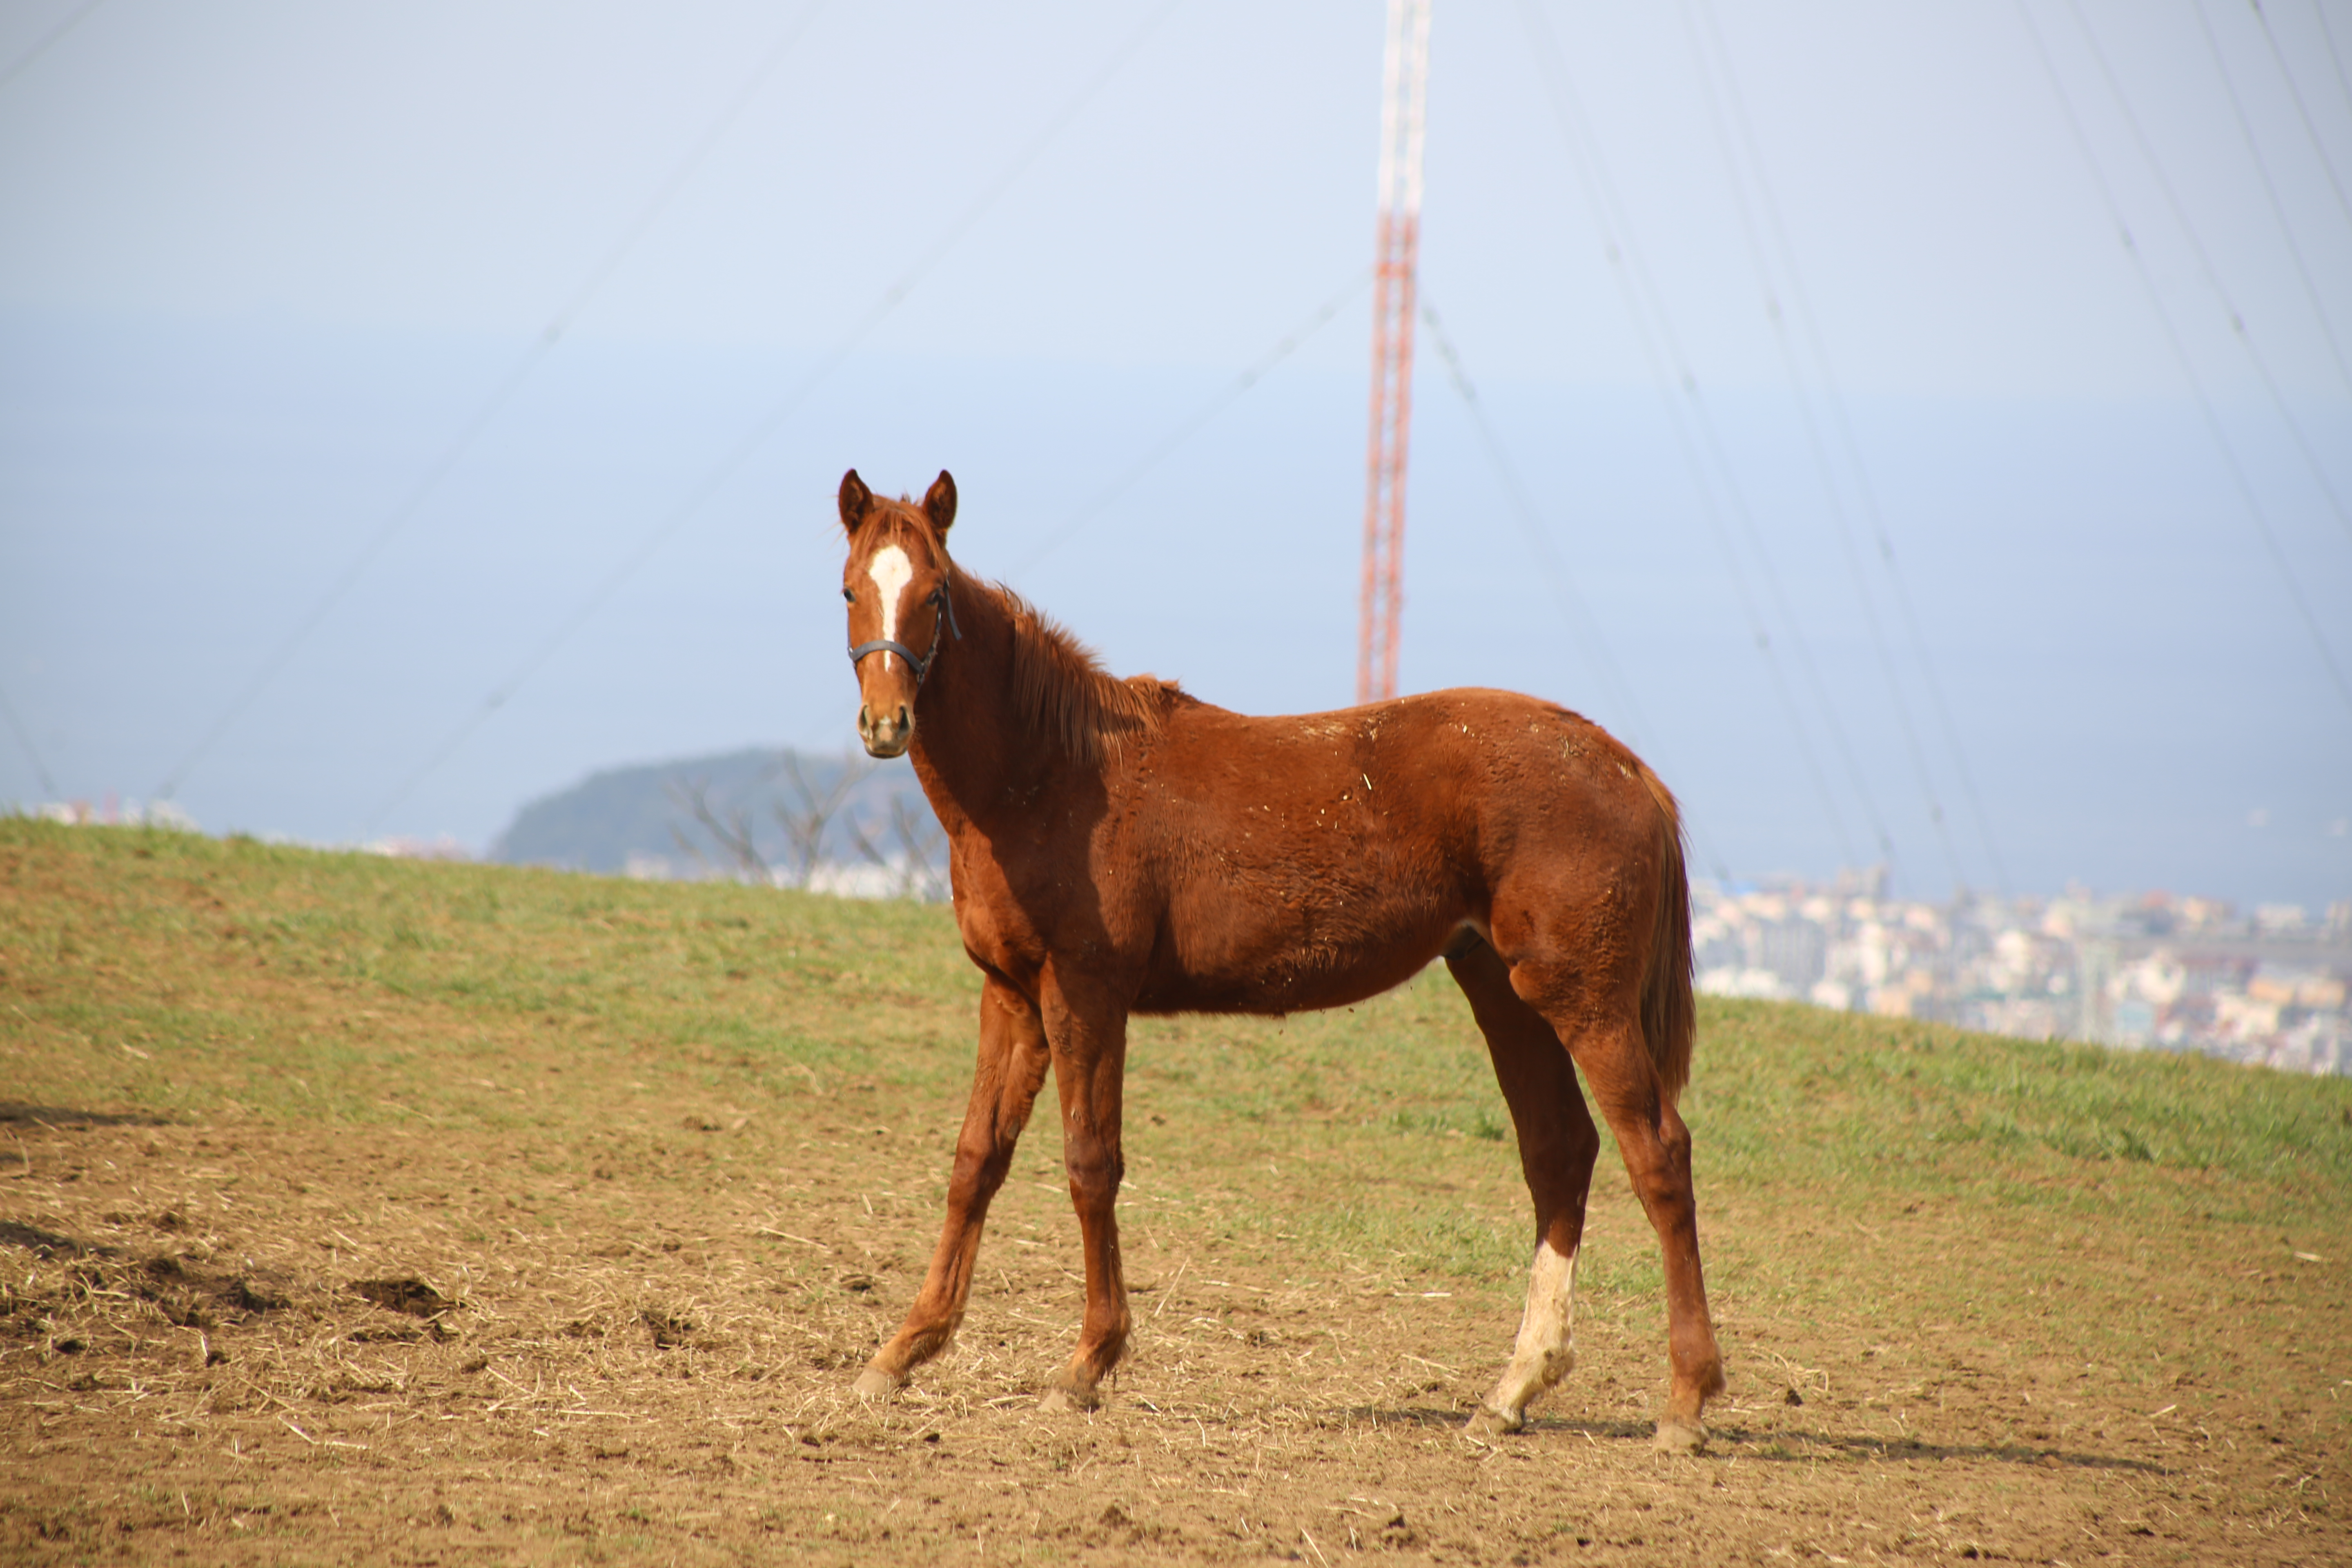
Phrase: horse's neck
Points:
(973, 743)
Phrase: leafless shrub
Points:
(906, 844)
(731, 832)
(917, 841)
(805, 818)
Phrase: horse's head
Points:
(897, 584)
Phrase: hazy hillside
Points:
(782, 805)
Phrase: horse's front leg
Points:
(1012, 1057)
(1088, 1032)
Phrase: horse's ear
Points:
(938, 501)
(855, 501)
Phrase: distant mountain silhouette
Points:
(772, 814)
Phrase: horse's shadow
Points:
(1780, 1445)
(1785, 1445)
(1447, 1417)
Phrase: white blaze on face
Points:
(891, 571)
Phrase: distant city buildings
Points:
(112, 812)
(899, 876)
(2150, 971)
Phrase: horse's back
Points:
(1468, 773)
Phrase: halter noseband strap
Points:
(922, 665)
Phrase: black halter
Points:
(921, 667)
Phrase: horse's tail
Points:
(1669, 1016)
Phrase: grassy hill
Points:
(510, 1075)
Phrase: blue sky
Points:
(267, 262)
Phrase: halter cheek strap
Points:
(920, 665)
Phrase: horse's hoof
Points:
(875, 1384)
(1069, 1398)
(1488, 1422)
(1678, 1437)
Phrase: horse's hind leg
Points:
(1558, 1144)
(1657, 1150)
(1005, 1084)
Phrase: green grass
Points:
(1914, 1104)
(195, 977)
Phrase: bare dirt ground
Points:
(191, 1375)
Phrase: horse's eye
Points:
(849, 595)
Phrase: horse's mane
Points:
(1061, 693)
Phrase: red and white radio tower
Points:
(1404, 101)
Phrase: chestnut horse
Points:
(1118, 847)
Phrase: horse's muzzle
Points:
(888, 736)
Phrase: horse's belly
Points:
(1254, 944)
